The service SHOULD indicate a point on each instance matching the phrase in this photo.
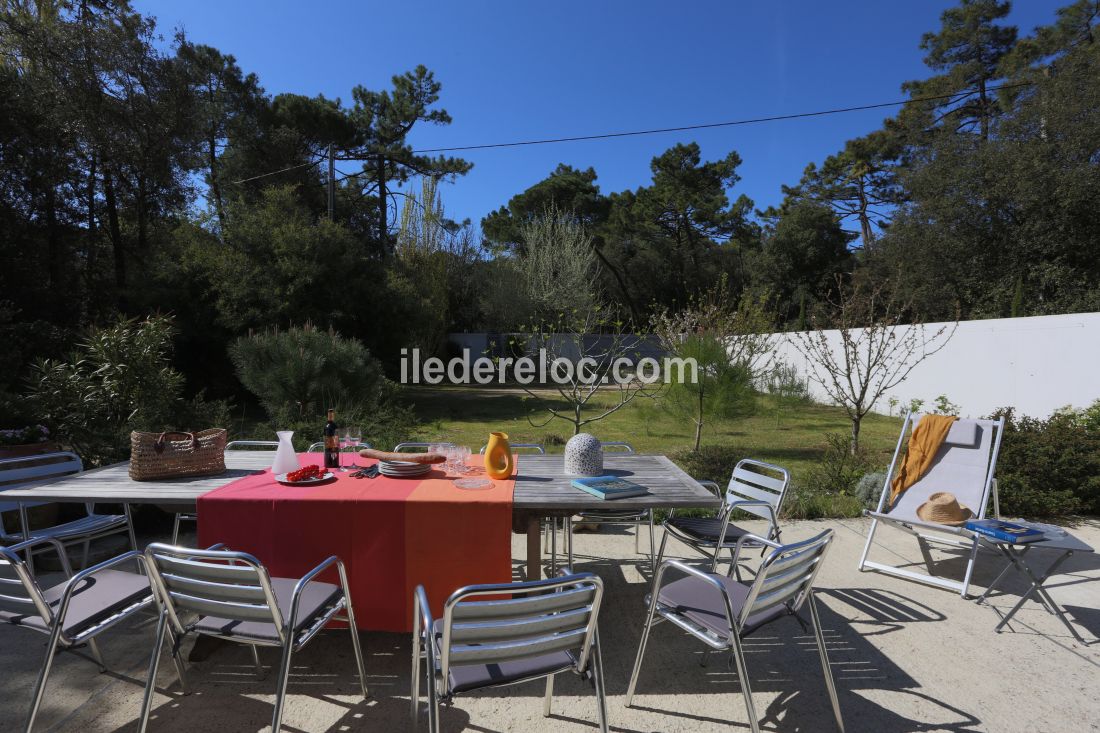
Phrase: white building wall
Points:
(1035, 365)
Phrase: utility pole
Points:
(331, 182)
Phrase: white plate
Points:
(328, 475)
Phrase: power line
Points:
(275, 173)
(751, 121)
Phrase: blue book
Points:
(999, 529)
(609, 487)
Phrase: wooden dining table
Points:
(542, 489)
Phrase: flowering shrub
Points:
(22, 436)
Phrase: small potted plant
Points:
(28, 441)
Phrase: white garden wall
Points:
(1033, 364)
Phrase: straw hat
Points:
(943, 508)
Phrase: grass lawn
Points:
(467, 414)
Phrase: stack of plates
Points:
(403, 469)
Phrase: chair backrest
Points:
(617, 445)
(18, 473)
(265, 444)
(754, 480)
(19, 591)
(540, 617)
(536, 447)
(229, 585)
(319, 446)
(786, 577)
(963, 466)
(417, 446)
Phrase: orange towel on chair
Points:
(924, 443)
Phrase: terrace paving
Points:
(907, 657)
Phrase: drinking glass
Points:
(464, 453)
(352, 437)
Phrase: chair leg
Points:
(965, 593)
(256, 661)
(87, 552)
(151, 679)
(176, 530)
(43, 674)
(597, 678)
(97, 655)
(829, 682)
(660, 553)
(746, 689)
(549, 696)
(433, 701)
(554, 548)
(568, 532)
(178, 662)
(641, 651)
(280, 690)
(652, 545)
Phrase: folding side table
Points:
(1017, 555)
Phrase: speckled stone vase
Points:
(584, 456)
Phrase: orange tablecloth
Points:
(392, 534)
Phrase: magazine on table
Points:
(999, 529)
(609, 487)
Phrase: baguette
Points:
(382, 455)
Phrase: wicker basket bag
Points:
(173, 455)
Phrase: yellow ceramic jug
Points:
(498, 456)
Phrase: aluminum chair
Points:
(72, 613)
(417, 446)
(632, 517)
(754, 487)
(964, 465)
(520, 633)
(238, 601)
(536, 447)
(85, 530)
(320, 446)
(231, 445)
(721, 611)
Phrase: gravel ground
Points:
(907, 657)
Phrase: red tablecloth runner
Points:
(392, 534)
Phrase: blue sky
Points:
(525, 70)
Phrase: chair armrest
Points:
(706, 577)
(57, 545)
(217, 546)
(73, 582)
(308, 578)
(711, 486)
(755, 502)
(424, 612)
(744, 539)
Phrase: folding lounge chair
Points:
(72, 613)
(238, 601)
(507, 633)
(23, 473)
(755, 487)
(721, 611)
(963, 466)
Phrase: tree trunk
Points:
(115, 232)
(89, 272)
(855, 434)
(52, 241)
(383, 207)
(866, 232)
(215, 187)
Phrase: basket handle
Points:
(158, 444)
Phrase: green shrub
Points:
(710, 463)
(1052, 466)
(869, 489)
(839, 470)
(297, 373)
(118, 379)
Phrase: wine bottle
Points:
(332, 442)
